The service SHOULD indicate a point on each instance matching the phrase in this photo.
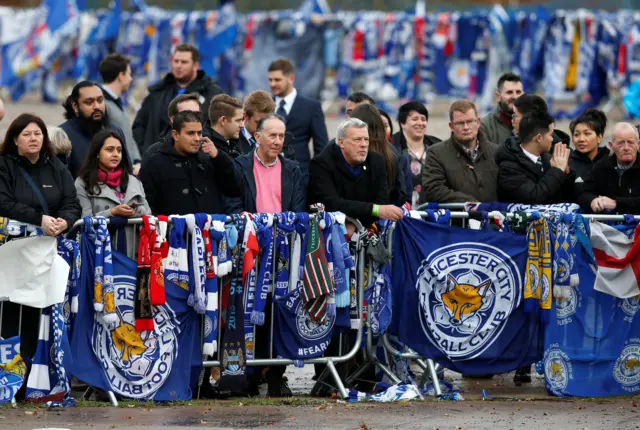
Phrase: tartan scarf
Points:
(177, 262)
(285, 229)
(159, 253)
(265, 273)
(317, 286)
(539, 272)
(233, 361)
(213, 232)
(48, 379)
(197, 268)
(142, 308)
(103, 290)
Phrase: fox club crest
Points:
(467, 291)
(135, 363)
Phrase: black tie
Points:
(281, 111)
(539, 164)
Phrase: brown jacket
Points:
(450, 176)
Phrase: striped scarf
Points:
(49, 380)
(68, 249)
(317, 286)
(197, 275)
(214, 232)
(177, 263)
(285, 229)
(159, 252)
(296, 275)
(143, 311)
(539, 272)
(250, 249)
(103, 290)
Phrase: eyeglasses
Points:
(463, 124)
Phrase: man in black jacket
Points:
(185, 77)
(188, 175)
(86, 115)
(527, 173)
(614, 182)
(349, 178)
(289, 193)
(225, 117)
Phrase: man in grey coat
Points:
(116, 74)
(462, 168)
(496, 126)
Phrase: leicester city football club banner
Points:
(592, 345)
(458, 297)
(140, 365)
(12, 369)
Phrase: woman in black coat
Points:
(587, 131)
(35, 188)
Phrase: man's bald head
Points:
(624, 143)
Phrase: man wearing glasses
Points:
(463, 167)
(614, 184)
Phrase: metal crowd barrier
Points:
(329, 361)
(13, 230)
(426, 363)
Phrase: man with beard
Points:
(86, 115)
(185, 77)
(497, 126)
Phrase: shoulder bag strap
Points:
(35, 189)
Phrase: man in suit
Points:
(115, 70)
(304, 117)
(256, 105)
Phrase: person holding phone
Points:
(106, 185)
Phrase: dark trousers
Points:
(262, 337)
(28, 327)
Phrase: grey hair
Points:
(266, 118)
(348, 123)
(624, 126)
(60, 140)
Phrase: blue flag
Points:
(12, 369)
(141, 365)
(458, 297)
(592, 347)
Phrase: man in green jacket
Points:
(496, 126)
(463, 167)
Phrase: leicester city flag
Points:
(12, 369)
(592, 346)
(140, 365)
(458, 297)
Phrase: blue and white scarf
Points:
(341, 261)
(285, 228)
(216, 232)
(104, 292)
(298, 252)
(197, 269)
(68, 249)
(396, 393)
(249, 287)
(177, 263)
(49, 379)
(265, 273)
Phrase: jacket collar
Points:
(482, 146)
(584, 158)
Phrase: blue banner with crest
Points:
(458, 297)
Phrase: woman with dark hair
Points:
(388, 125)
(35, 188)
(587, 131)
(370, 115)
(106, 185)
(412, 141)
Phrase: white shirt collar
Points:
(531, 156)
(288, 100)
(247, 135)
(106, 89)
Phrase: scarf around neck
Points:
(112, 179)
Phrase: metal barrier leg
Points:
(87, 393)
(113, 399)
(341, 389)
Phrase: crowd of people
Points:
(193, 149)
